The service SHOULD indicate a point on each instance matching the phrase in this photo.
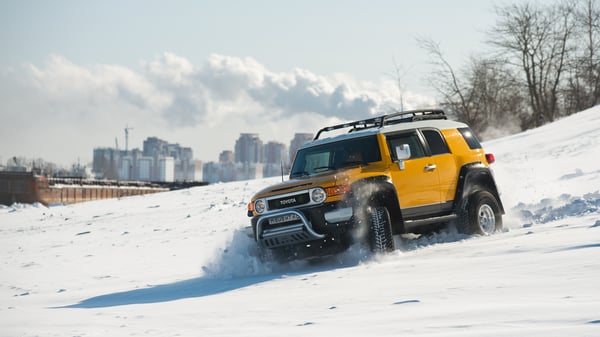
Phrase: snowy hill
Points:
(178, 264)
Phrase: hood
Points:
(303, 183)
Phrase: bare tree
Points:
(539, 41)
(591, 24)
(495, 93)
(583, 90)
(483, 93)
(456, 96)
(398, 77)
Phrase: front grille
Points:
(287, 240)
(289, 201)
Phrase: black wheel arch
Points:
(384, 194)
(473, 178)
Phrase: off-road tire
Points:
(380, 235)
(265, 254)
(274, 255)
(480, 215)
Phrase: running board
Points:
(428, 221)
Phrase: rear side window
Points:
(437, 145)
(470, 138)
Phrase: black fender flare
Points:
(381, 192)
(472, 178)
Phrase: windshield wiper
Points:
(323, 168)
(299, 174)
(353, 163)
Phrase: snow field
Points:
(180, 264)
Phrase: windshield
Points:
(334, 156)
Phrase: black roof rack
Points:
(389, 119)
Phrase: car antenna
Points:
(281, 162)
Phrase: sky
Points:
(74, 74)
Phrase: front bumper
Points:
(296, 226)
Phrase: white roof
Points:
(440, 124)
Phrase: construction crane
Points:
(127, 128)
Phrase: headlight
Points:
(318, 195)
(259, 206)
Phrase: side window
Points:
(436, 142)
(470, 138)
(412, 139)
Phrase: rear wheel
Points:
(380, 230)
(480, 214)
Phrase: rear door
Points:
(445, 166)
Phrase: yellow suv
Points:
(406, 172)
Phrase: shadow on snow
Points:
(204, 286)
(197, 287)
(235, 267)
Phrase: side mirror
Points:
(402, 153)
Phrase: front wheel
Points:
(381, 239)
(480, 214)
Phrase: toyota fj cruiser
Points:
(398, 173)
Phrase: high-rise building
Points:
(126, 172)
(226, 156)
(166, 169)
(154, 147)
(106, 163)
(248, 149)
(181, 159)
(220, 172)
(145, 165)
(275, 159)
(275, 153)
(299, 140)
(184, 162)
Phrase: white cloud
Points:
(228, 77)
(72, 90)
(170, 68)
(172, 98)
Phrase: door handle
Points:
(430, 167)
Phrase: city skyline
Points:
(159, 160)
(298, 140)
(252, 158)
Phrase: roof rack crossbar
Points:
(389, 119)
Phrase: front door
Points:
(418, 184)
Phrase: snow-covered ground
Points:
(179, 264)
